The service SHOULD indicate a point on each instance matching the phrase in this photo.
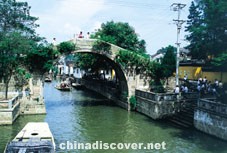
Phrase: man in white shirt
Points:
(177, 90)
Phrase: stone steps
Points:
(181, 123)
(185, 117)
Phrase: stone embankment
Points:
(22, 103)
(211, 117)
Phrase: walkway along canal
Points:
(84, 116)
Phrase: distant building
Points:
(78, 73)
(157, 57)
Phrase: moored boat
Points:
(34, 137)
(63, 87)
(77, 85)
(47, 79)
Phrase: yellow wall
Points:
(194, 72)
(211, 76)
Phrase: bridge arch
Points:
(128, 80)
(123, 88)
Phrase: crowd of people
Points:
(203, 86)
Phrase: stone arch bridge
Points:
(127, 79)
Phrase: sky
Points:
(151, 19)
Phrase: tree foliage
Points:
(40, 59)
(122, 35)
(13, 47)
(207, 24)
(128, 58)
(15, 16)
(143, 65)
(163, 50)
(17, 37)
(169, 61)
(101, 47)
(220, 62)
(66, 47)
(86, 61)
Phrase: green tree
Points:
(143, 64)
(66, 47)
(101, 47)
(86, 61)
(169, 62)
(220, 62)
(215, 19)
(17, 37)
(122, 35)
(91, 62)
(128, 58)
(41, 57)
(156, 71)
(196, 30)
(13, 47)
(207, 24)
(15, 16)
(163, 50)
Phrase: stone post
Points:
(31, 86)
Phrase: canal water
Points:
(83, 116)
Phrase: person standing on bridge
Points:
(54, 42)
(81, 35)
(88, 35)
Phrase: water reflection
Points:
(84, 116)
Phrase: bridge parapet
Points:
(85, 45)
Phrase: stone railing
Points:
(157, 105)
(86, 45)
(9, 110)
(212, 106)
(166, 96)
(9, 104)
(156, 96)
(190, 95)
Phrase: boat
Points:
(34, 137)
(63, 87)
(47, 79)
(77, 85)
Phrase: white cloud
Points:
(67, 17)
(96, 26)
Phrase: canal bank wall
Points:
(22, 103)
(211, 117)
(154, 105)
(157, 105)
(109, 92)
